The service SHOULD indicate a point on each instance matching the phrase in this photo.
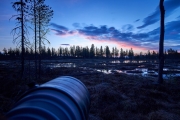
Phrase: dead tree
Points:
(20, 31)
(161, 43)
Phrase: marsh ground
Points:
(114, 95)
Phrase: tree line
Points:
(86, 52)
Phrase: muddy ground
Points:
(114, 96)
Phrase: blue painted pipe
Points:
(63, 98)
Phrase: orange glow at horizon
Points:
(123, 45)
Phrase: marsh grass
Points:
(113, 96)
(121, 97)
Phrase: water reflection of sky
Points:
(139, 70)
(104, 71)
(133, 61)
(55, 65)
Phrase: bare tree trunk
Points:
(35, 39)
(39, 45)
(161, 44)
(22, 39)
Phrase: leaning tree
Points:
(20, 31)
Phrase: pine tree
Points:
(33, 19)
(108, 53)
(122, 53)
(113, 52)
(101, 52)
(44, 15)
(92, 51)
(116, 52)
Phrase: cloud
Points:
(109, 34)
(155, 31)
(145, 40)
(59, 32)
(104, 33)
(94, 31)
(151, 19)
(65, 44)
(62, 28)
(127, 27)
(170, 7)
(137, 20)
(171, 38)
(140, 36)
(172, 31)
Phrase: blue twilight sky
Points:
(116, 23)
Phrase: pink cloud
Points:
(105, 40)
(121, 44)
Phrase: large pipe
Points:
(63, 98)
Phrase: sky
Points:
(117, 23)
